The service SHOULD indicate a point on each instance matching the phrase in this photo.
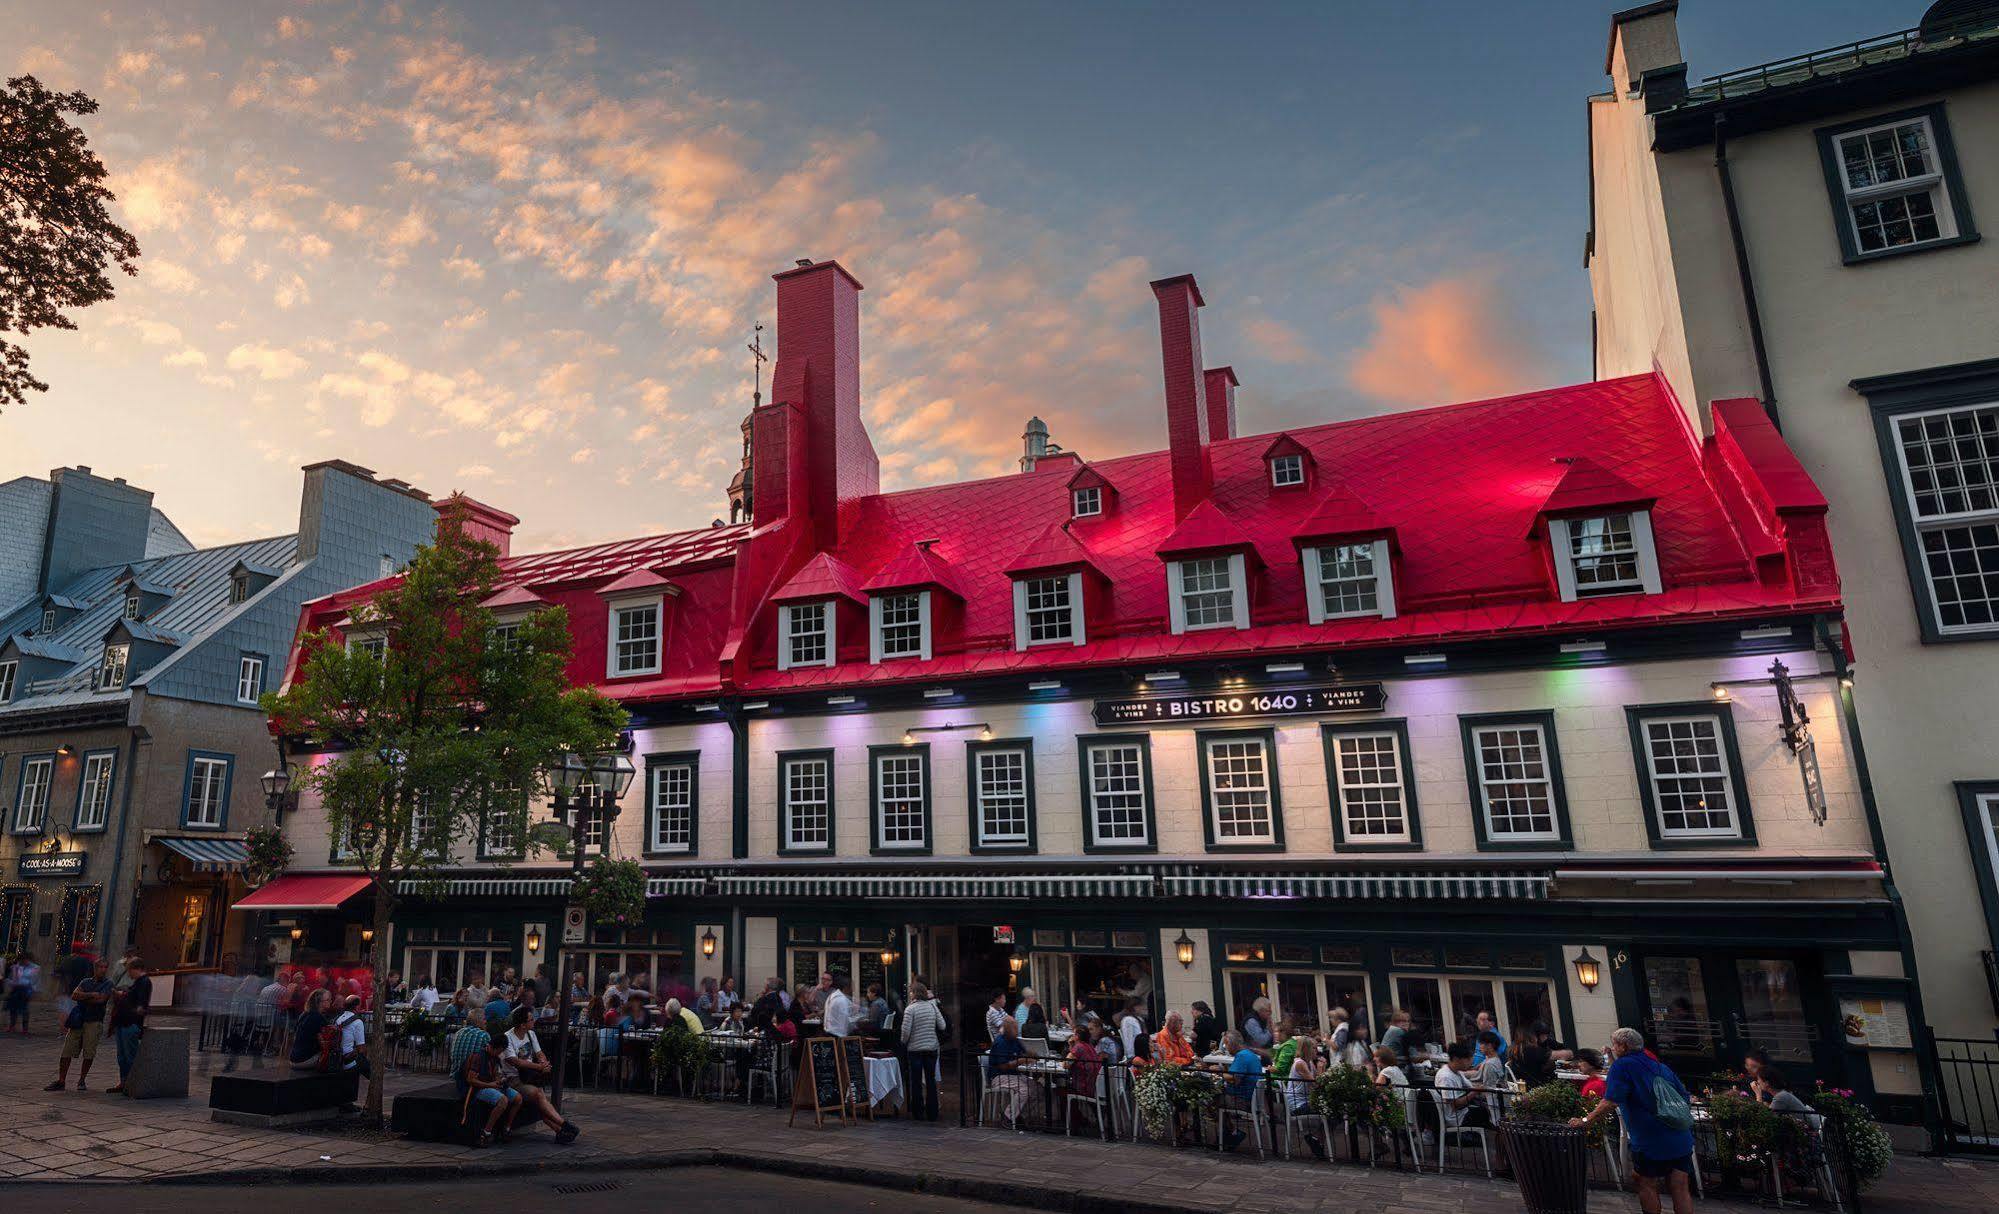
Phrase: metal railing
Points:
(1967, 1071)
(1845, 57)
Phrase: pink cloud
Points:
(1448, 340)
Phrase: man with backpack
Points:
(1657, 1117)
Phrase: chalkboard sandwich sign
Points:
(822, 1081)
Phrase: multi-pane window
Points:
(1241, 802)
(504, 637)
(1516, 782)
(249, 679)
(1287, 470)
(498, 835)
(1118, 797)
(901, 799)
(93, 799)
(1367, 777)
(1892, 180)
(48, 620)
(31, 811)
(1347, 578)
(806, 792)
(1691, 784)
(635, 639)
(132, 605)
(375, 645)
(7, 675)
(1048, 610)
(111, 675)
(1206, 592)
(239, 589)
(899, 625)
(1603, 554)
(1950, 469)
(999, 790)
(1088, 500)
(207, 791)
(808, 634)
(670, 807)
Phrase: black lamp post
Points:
(277, 782)
(585, 790)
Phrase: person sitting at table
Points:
(1397, 1036)
(996, 1012)
(610, 1025)
(686, 1016)
(1109, 1045)
(1030, 1015)
(1170, 1044)
(1491, 1074)
(1207, 1029)
(1307, 1064)
(704, 1003)
(579, 989)
(1772, 1086)
(1590, 1063)
(1360, 1046)
(1003, 1063)
(399, 991)
(1086, 1062)
(1245, 1072)
(768, 1006)
(876, 1011)
(1754, 1063)
(615, 985)
(636, 1015)
(424, 997)
(1535, 1052)
(1482, 1024)
(1457, 1091)
(498, 1009)
(1284, 1046)
(1256, 1032)
(1388, 1072)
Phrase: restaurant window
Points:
(111, 674)
(453, 959)
(1689, 774)
(862, 965)
(1207, 592)
(1340, 954)
(652, 961)
(1374, 786)
(93, 793)
(635, 638)
(900, 792)
(1351, 579)
(671, 782)
(1678, 1020)
(1412, 957)
(806, 634)
(1048, 610)
(1050, 937)
(900, 625)
(207, 798)
(1090, 938)
(805, 792)
(1894, 184)
(1244, 952)
(1002, 794)
(1304, 996)
(31, 797)
(1445, 1008)
(1117, 793)
(1516, 780)
(1239, 790)
(1604, 554)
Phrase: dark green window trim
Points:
(1738, 786)
(972, 752)
(1889, 398)
(1084, 744)
(784, 760)
(690, 759)
(1565, 835)
(1328, 734)
(1269, 739)
(1953, 183)
(1980, 839)
(876, 754)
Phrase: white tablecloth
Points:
(884, 1082)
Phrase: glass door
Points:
(1679, 1023)
(1773, 1009)
(1298, 1000)
(1349, 991)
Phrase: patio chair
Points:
(1297, 1122)
(1254, 1113)
(1097, 1103)
(1446, 1132)
(764, 1066)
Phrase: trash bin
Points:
(1550, 1164)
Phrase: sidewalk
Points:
(72, 1136)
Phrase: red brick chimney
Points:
(819, 370)
(1221, 386)
(1186, 390)
(480, 521)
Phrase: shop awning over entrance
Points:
(943, 885)
(1360, 885)
(210, 855)
(306, 891)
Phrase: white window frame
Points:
(908, 806)
(656, 603)
(1549, 778)
(375, 641)
(1176, 604)
(1287, 471)
(788, 805)
(498, 802)
(200, 785)
(1094, 809)
(1725, 774)
(10, 672)
(1944, 520)
(1315, 590)
(132, 604)
(1344, 790)
(1560, 532)
(1086, 501)
(788, 630)
(239, 589)
(656, 807)
(876, 652)
(505, 632)
(249, 678)
(108, 668)
(48, 621)
(1269, 836)
(94, 786)
(1931, 183)
(35, 794)
(1022, 634)
(983, 794)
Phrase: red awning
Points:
(306, 891)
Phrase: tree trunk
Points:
(378, 1036)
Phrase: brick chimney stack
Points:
(819, 373)
(480, 521)
(1186, 390)
(1221, 386)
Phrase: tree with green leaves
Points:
(450, 726)
(56, 239)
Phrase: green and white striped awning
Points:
(209, 855)
(676, 887)
(1460, 885)
(955, 886)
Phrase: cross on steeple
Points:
(756, 349)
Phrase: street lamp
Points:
(1183, 950)
(708, 943)
(586, 789)
(1587, 970)
(277, 782)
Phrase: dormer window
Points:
(634, 638)
(374, 644)
(48, 621)
(1350, 578)
(1088, 501)
(1208, 592)
(1604, 554)
(900, 625)
(131, 604)
(239, 588)
(1287, 470)
(805, 634)
(8, 672)
(1048, 610)
(111, 675)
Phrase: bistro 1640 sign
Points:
(1223, 706)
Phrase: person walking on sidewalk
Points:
(22, 978)
(1653, 1104)
(128, 1018)
(922, 1038)
(83, 1027)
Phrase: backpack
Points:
(329, 1042)
(1669, 1104)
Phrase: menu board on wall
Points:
(1876, 1022)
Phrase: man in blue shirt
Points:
(1659, 1150)
(1245, 1071)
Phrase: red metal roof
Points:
(1588, 486)
(1207, 529)
(1054, 548)
(821, 577)
(916, 565)
(1340, 513)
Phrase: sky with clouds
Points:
(516, 249)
